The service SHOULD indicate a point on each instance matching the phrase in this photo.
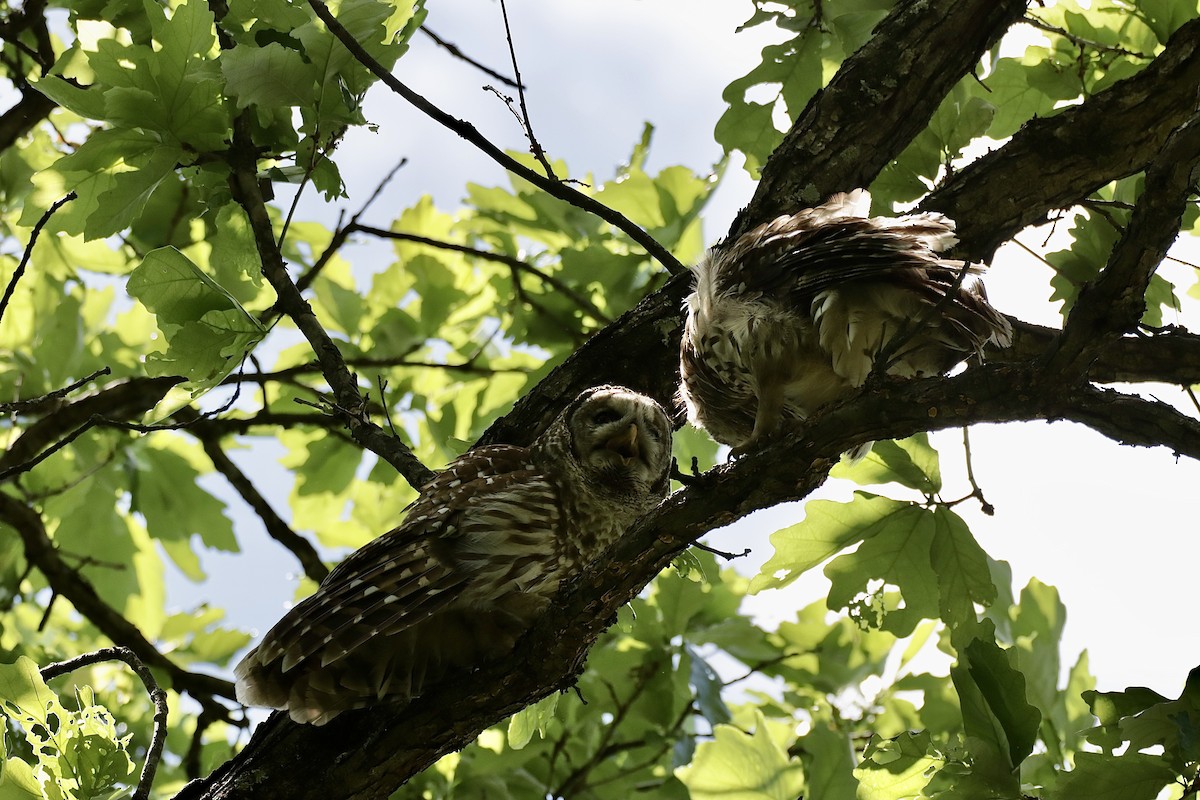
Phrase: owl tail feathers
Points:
(264, 685)
(255, 686)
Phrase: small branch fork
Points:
(157, 696)
(453, 50)
(535, 147)
(467, 131)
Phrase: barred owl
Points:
(477, 558)
(793, 314)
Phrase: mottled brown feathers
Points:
(793, 314)
(475, 560)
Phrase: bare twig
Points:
(157, 696)
(25, 406)
(289, 373)
(585, 305)
(1080, 41)
(20, 270)
(535, 146)
(467, 131)
(723, 554)
(25, 466)
(450, 48)
(977, 492)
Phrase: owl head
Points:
(619, 441)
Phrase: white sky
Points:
(1113, 528)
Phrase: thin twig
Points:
(25, 466)
(585, 305)
(1192, 395)
(340, 234)
(157, 696)
(387, 411)
(22, 406)
(37, 228)
(984, 505)
(535, 146)
(1080, 41)
(467, 131)
(721, 553)
(450, 48)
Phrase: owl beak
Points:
(625, 444)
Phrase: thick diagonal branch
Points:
(923, 49)
(64, 581)
(1114, 303)
(1053, 162)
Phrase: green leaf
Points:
(828, 527)
(895, 552)
(24, 694)
(176, 508)
(271, 75)
(911, 462)
(741, 766)
(829, 763)
(708, 684)
(1097, 776)
(206, 329)
(530, 720)
(1000, 724)
(963, 575)
(17, 781)
(896, 769)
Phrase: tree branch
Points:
(278, 530)
(157, 696)
(20, 270)
(1053, 162)
(467, 131)
(923, 49)
(350, 404)
(584, 304)
(120, 399)
(1114, 303)
(64, 581)
(453, 50)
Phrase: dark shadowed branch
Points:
(1114, 303)
(453, 50)
(69, 583)
(922, 61)
(1056, 161)
(278, 530)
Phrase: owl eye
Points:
(605, 416)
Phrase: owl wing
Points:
(482, 527)
(800, 262)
